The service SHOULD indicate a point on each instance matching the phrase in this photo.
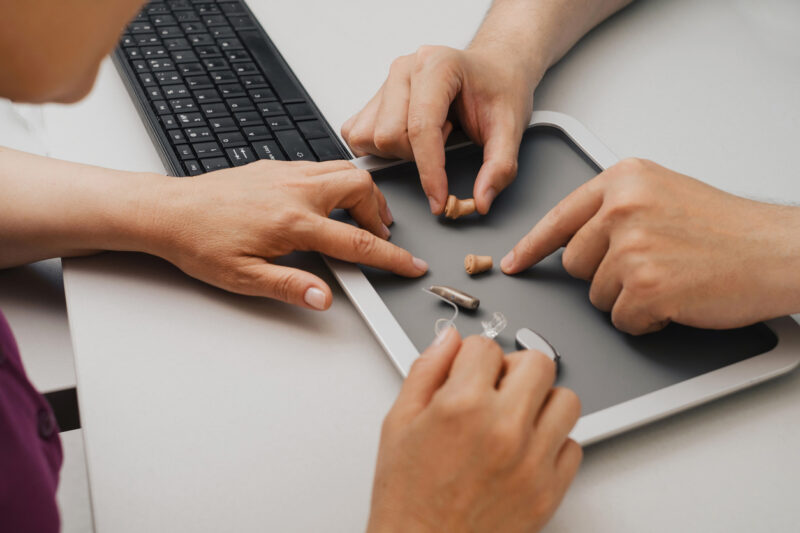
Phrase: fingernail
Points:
(315, 298)
(490, 195)
(508, 261)
(420, 264)
(389, 213)
(386, 232)
(443, 335)
(434, 204)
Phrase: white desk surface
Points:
(204, 411)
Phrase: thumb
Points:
(428, 373)
(499, 167)
(286, 284)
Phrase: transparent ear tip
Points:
(442, 324)
(493, 326)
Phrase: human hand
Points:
(489, 93)
(475, 442)
(225, 227)
(660, 247)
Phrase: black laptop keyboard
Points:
(214, 91)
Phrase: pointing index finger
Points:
(432, 92)
(556, 228)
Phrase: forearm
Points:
(540, 32)
(51, 208)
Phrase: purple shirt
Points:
(30, 450)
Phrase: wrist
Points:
(781, 277)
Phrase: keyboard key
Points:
(191, 69)
(202, 39)
(193, 167)
(215, 64)
(160, 65)
(241, 22)
(127, 40)
(233, 138)
(161, 107)
(312, 129)
(214, 20)
(268, 150)
(240, 156)
(207, 149)
(177, 44)
(230, 44)
(267, 59)
(232, 8)
(182, 105)
(249, 119)
(186, 16)
(147, 79)
(270, 109)
(169, 122)
(199, 135)
(215, 110)
(245, 69)
(224, 76)
(222, 32)
(168, 78)
(279, 123)
(207, 96)
(208, 51)
(140, 66)
(237, 56)
(325, 149)
(168, 32)
(191, 119)
(240, 104)
(260, 95)
(140, 27)
(215, 163)
(157, 9)
(154, 93)
(199, 82)
(223, 124)
(300, 111)
(176, 136)
(294, 145)
(193, 27)
(147, 39)
(208, 8)
(231, 90)
(176, 5)
(257, 133)
(252, 82)
(184, 56)
(163, 20)
(154, 52)
(133, 53)
(184, 151)
(175, 91)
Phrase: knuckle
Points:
(569, 400)
(507, 168)
(282, 287)
(643, 279)
(363, 242)
(486, 346)
(398, 65)
(386, 139)
(631, 166)
(426, 52)
(457, 405)
(417, 124)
